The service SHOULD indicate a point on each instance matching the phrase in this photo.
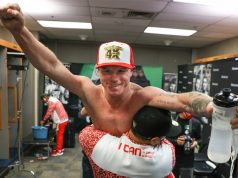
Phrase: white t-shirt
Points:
(123, 157)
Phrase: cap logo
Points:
(113, 52)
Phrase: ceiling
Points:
(126, 20)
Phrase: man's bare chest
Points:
(115, 115)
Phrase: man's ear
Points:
(155, 141)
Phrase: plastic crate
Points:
(40, 132)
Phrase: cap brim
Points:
(175, 129)
(115, 64)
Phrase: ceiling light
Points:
(83, 37)
(216, 3)
(204, 2)
(169, 31)
(61, 24)
(168, 42)
(220, 5)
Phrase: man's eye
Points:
(106, 71)
(122, 71)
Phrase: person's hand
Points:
(209, 109)
(234, 122)
(12, 17)
(84, 111)
(194, 143)
(42, 122)
(180, 140)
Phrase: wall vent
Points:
(107, 13)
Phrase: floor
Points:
(67, 165)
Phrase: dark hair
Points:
(44, 96)
(151, 122)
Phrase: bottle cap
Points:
(225, 98)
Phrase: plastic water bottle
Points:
(224, 109)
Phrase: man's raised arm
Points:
(39, 55)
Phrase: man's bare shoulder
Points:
(135, 87)
(148, 89)
(146, 93)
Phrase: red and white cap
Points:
(115, 54)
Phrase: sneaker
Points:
(57, 153)
(54, 150)
(42, 158)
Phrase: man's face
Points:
(115, 79)
(45, 99)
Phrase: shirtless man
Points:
(113, 103)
